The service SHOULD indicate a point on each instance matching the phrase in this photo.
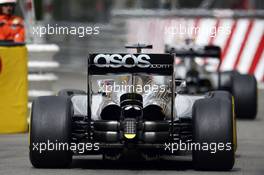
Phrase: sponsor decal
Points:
(127, 61)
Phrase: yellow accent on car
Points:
(130, 136)
(234, 124)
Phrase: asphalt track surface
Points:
(14, 159)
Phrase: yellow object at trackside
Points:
(13, 89)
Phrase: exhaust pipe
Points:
(157, 106)
(153, 112)
(110, 111)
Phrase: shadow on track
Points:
(131, 165)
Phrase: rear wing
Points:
(202, 52)
(206, 51)
(123, 63)
(160, 64)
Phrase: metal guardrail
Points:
(41, 69)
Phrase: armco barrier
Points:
(41, 69)
(13, 89)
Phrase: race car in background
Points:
(151, 119)
(199, 67)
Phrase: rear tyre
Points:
(70, 92)
(213, 127)
(244, 90)
(50, 124)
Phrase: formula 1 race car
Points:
(201, 77)
(131, 106)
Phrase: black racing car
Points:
(150, 119)
(243, 87)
